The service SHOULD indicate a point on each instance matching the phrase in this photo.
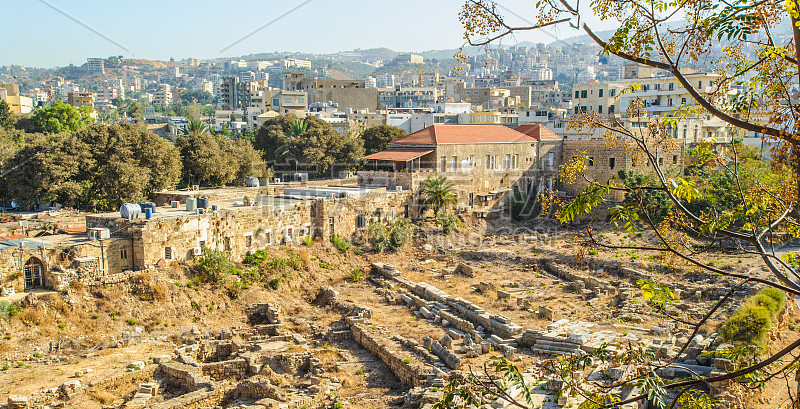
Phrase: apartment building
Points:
(17, 103)
(290, 102)
(495, 97)
(407, 97)
(81, 99)
(347, 93)
(95, 65)
(163, 95)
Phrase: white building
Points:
(163, 96)
(95, 65)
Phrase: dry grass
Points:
(102, 396)
(305, 258)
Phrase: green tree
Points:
(438, 193)
(6, 117)
(197, 97)
(377, 138)
(640, 192)
(247, 160)
(61, 117)
(204, 160)
(98, 168)
(282, 137)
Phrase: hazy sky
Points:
(35, 34)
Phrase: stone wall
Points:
(608, 158)
(402, 364)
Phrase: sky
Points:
(37, 34)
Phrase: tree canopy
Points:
(320, 145)
(99, 168)
(61, 117)
(377, 138)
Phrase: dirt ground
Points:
(65, 333)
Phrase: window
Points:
(611, 109)
(123, 254)
(488, 162)
(599, 109)
(276, 102)
(683, 100)
(576, 110)
(613, 92)
(674, 159)
(550, 158)
(494, 161)
(301, 100)
(331, 225)
(405, 211)
(660, 161)
(360, 219)
(508, 161)
(227, 244)
(454, 161)
(695, 132)
(167, 253)
(290, 234)
(577, 94)
(248, 241)
(700, 84)
(515, 162)
(684, 132)
(591, 161)
(612, 163)
(583, 109)
(600, 93)
(583, 94)
(444, 164)
(671, 86)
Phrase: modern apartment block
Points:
(351, 94)
(95, 65)
(81, 99)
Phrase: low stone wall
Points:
(184, 376)
(401, 364)
(201, 398)
(234, 368)
(124, 378)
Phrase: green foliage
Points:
(656, 294)
(8, 309)
(280, 138)
(357, 275)
(61, 117)
(130, 321)
(308, 241)
(6, 117)
(438, 193)
(197, 97)
(204, 160)
(389, 238)
(340, 244)
(447, 221)
(235, 290)
(750, 324)
(588, 199)
(655, 202)
(214, 267)
(377, 138)
(95, 169)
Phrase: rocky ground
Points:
(537, 283)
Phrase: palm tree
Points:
(195, 127)
(438, 193)
(297, 128)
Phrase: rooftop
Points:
(463, 134)
(538, 132)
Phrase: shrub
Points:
(447, 221)
(214, 266)
(276, 283)
(8, 310)
(406, 361)
(378, 237)
(360, 372)
(340, 244)
(235, 291)
(750, 324)
(131, 321)
(338, 405)
(308, 241)
(62, 325)
(389, 238)
(357, 275)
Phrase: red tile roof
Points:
(13, 237)
(73, 230)
(463, 134)
(538, 132)
(398, 154)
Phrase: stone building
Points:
(483, 162)
(607, 158)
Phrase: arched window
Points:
(34, 273)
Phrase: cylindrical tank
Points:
(191, 204)
(215, 208)
(148, 205)
(130, 211)
(252, 182)
(148, 213)
(200, 210)
(202, 202)
(174, 204)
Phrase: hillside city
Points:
(606, 220)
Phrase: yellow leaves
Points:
(684, 189)
(569, 171)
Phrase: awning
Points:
(398, 155)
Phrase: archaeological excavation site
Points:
(354, 297)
